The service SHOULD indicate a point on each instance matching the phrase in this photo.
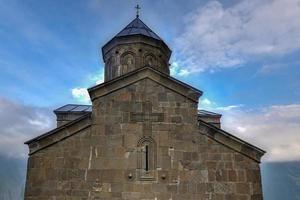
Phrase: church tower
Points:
(143, 137)
(134, 47)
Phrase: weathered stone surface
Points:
(143, 140)
(101, 162)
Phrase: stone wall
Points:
(106, 160)
(124, 55)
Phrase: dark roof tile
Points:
(137, 27)
(73, 108)
(208, 113)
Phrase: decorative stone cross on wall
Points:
(147, 116)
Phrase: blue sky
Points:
(244, 55)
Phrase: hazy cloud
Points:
(20, 123)
(277, 67)
(216, 37)
(274, 129)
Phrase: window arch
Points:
(150, 60)
(146, 156)
(127, 62)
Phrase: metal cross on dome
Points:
(137, 7)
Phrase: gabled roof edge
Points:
(91, 89)
(243, 147)
(53, 131)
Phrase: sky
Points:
(244, 55)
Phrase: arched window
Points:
(127, 62)
(146, 158)
(150, 60)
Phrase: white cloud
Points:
(99, 81)
(217, 37)
(275, 129)
(176, 70)
(183, 72)
(205, 103)
(81, 95)
(20, 123)
(228, 108)
(241, 129)
(97, 78)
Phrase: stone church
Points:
(143, 137)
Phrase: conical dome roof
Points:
(138, 27)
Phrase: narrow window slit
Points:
(147, 158)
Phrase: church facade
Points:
(142, 138)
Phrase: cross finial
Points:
(137, 7)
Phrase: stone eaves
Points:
(230, 141)
(140, 74)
